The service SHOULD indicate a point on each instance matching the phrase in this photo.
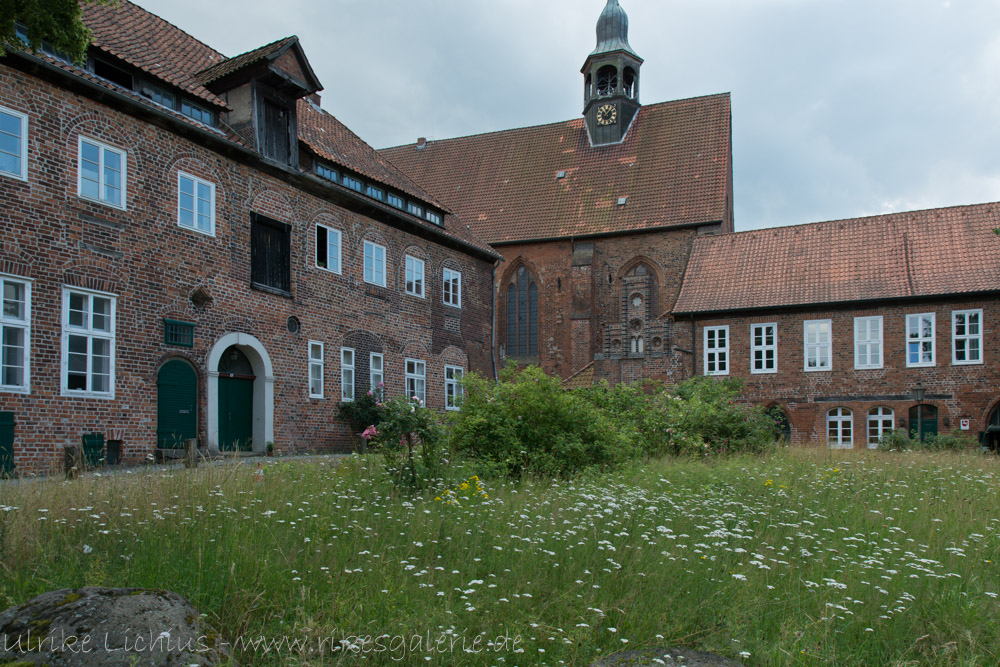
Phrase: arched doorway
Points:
(991, 438)
(924, 420)
(236, 383)
(259, 405)
(176, 404)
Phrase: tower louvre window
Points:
(607, 81)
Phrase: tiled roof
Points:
(581, 379)
(236, 63)
(917, 254)
(155, 46)
(673, 167)
(165, 52)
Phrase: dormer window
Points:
(395, 200)
(195, 112)
(326, 172)
(434, 217)
(111, 73)
(375, 193)
(415, 209)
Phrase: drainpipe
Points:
(694, 347)
(493, 324)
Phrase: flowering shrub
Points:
(364, 410)
(409, 436)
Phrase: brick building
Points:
(837, 323)
(192, 247)
(620, 263)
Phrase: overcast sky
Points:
(841, 108)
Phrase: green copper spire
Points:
(612, 30)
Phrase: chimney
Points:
(421, 143)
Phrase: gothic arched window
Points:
(522, 315)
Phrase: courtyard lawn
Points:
(802, 557)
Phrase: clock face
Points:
(607, 114)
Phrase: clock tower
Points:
(611, 79)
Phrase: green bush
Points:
(900, 440)
(528, 424)
(409, 437)
(706, 418)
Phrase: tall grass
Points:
(802, 557)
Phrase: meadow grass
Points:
(802, 557)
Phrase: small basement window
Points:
(180, 334)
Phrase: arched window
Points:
(629, 80)
(607, 81)
(880, 423)
(638, 345)
(839, 428)
(522, 315)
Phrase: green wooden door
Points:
(927, 423)
(6, 444)
(176, 404)
(235, 414)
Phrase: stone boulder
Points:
(658, 657)
(94, 627)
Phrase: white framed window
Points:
(717, 350)
(102, 173)
(88, 343)
(376, 371)
(453, 387)
(764, 348)
(920, 339)
(817, 345)
(414, 276)
(840, 428)
(195, 203)
(328, 248)
(346, 374)
(416, 380)
(15, 335)
(880, 423)
(452, 287)
(868, 342)
(13, 144)
(967, 337)
(315, 369)
(374, 264)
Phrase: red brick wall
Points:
(152, 265)
(577, 302)
(958, 391)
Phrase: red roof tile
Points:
(916, 254)
(155, 46)
(673, 167)
(236, 63)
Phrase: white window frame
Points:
(90, 334)
(412, 263)
(714, 353)
(920, 339)
(877, 427)
(374, 275)
(453, 393)
(455, 277)
(764, 348)
(865, 342)
(372, 374)
(181, 175)
(24, 324)
(315, 368)
(330, 233)
(23, 174)
(957, 338)
(415, 376)
(843, 416)
(347, 388)
(100, 172)
(816, 348)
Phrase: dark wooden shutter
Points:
(6, 443)
(276, 119)
(270, 257)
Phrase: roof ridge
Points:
(172, 25)
(580, 118)
(858, 218)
